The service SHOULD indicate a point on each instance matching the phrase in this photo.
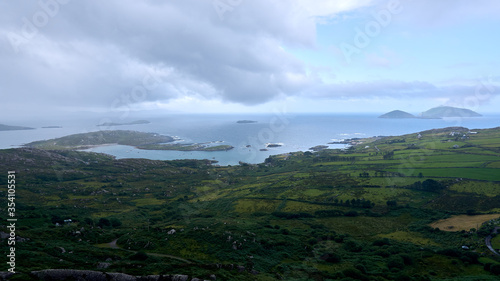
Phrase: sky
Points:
(64, 57)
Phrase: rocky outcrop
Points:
(89, 275)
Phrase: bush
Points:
(495, 269)
(331, 257)
(383, 253)
(381, 242)
(395, 262)
(355, 274)
(351, 214)
(139, 256)
(352, 246)
(115, 222)
(407, 259)
(103, 222)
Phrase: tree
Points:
(115, 222)
(103, 222)
(392, 203)
(331, 257)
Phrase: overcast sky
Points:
(224, 56)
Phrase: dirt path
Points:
(114, 245)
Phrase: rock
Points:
(84, 275)
(180, 278)
(103, 265)
(172, 231)
(240, 268)
(213, 277)
(4, 275)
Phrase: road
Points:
(113, 245)
(488, 242)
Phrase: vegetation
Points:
(330, 215)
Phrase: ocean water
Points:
(293, 132)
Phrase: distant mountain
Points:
(448, 111)
(245, 121)
(13, 128)
(397, 114)
(138, 122)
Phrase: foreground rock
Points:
(84, 275)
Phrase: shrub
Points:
(331, 257)
(351, 214)
(395, 262)
(139, 256)
(352, 246)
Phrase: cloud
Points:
(118, 53)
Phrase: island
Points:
(318, 147)
(51, 127)
(448, 111)
(138, 122)
(433, 113)
(246, 121)
(140, 140)
(13, 128)
(274, 145)
(397, 114)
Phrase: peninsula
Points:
(13, 128)
(140, 140)
(246, 121)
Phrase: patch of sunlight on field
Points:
(494, 165)
(490, 189)
(148, 201)
(412, 237)
(258, 205)
(463, 222)
(294, 206)
(313, 192)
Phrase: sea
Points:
(292, 132)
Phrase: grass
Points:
(463, 222)
(410, 237)
(495, 242)
(488, 174)
(490, 189)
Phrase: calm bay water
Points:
(294, 132)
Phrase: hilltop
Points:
(397, 114)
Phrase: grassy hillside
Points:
(360, 214)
